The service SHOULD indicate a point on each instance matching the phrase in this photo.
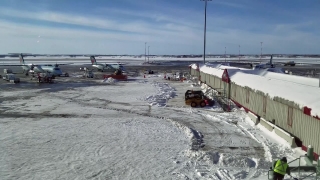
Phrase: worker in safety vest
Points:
(281, 167)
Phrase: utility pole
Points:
(225, 54)
(205, 29)
(261, 51)
(145, 51)
(148, 53)
(239, 52)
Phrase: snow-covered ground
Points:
(138, 129)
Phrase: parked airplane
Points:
(269, 66)
(34, 68)
(266, 65)
(106, 66)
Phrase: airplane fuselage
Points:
(56, 71)
(103, 67)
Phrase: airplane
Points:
(269, 66)
(34, 68)
(106, 66)
(266, 65)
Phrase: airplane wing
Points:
(5, 64)
(56, 64)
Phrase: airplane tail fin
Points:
(271, 59)
(21, 59)
(93, 60)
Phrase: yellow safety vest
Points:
(281, 167)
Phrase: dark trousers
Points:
(277, 176)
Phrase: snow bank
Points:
(110, 80)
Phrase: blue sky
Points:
(168, 26)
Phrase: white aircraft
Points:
(34, 68)
(106, 66)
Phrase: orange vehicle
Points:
(197, 98)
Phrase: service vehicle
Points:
(197, 98)
(11, 78)
(45, 77)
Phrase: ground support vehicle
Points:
(11, 78)
(197, 98)
(88, 73)
(118, 75)
(45, 78)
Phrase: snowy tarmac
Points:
(139, 129)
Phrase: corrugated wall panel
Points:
(208, 78)
(241, 96)
(259, 106)
(225, 87)
(310, 128)
(233, 88)
(316, 135)
(194, 72)
(202, 76)
(212, 81)
(278, 112)
(255, 102)
(318, 150)
(298, 123)
(216, 82)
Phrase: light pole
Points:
(225, 54)
(261, 51)
(205, 29)
(239, 52)
(145, 51)
(148, 53)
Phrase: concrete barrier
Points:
(286, 136)
(253, 117)
(266, 124)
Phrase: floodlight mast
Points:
(145, 51)
(225, 54)
(148, 53)
(205, 29)
(239, 52)
(261, 51)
